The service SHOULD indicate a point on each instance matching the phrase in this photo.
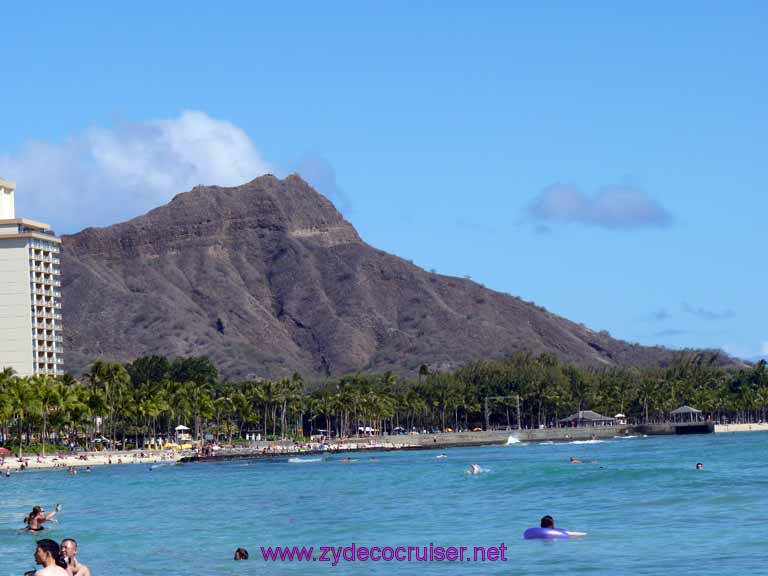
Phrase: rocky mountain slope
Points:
(268, 278)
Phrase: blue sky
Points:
(603, 160)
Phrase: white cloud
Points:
(611, 207)
(108, 174)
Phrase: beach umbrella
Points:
(181, 428)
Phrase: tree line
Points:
(147, 398)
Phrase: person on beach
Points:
(48, 555)
(549, 522)
(35, 519)
(69, 553)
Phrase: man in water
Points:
(48, 555)
(549, 522)
(475, 469)
(69, 553)
(699, 466)
(241, 554)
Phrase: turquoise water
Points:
(646, 509)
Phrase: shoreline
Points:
(93, 459)
(268, 450)
(722, 428)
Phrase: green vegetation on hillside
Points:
(152, 395)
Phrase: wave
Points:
(304, 460)
(624, 437)
(586, 442)
(513, 440)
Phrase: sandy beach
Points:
(85, 459)
(761, 427)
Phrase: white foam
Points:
(586, 442)
(303, 460)
(512, 440)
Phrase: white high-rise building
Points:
(31, 338)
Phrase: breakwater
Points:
(416, 442)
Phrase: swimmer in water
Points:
(475, 469)
(48, 555)
(34, 520)
(69, 554)
(699, 466)
(549, 522)
(575, 460)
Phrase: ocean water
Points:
(644, 506)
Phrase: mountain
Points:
(268, 278)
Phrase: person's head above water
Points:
(68, 547)
(36, 511)
(699, 465)
(48, 553)
(547, 522)
(241, 554)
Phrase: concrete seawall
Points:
(570, 434)
(422, 442)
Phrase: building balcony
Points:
(46, 315)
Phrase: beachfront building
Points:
(686, 414)
(588, 418)
(31, 338)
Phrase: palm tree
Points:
(48, 399)
(22, 399)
